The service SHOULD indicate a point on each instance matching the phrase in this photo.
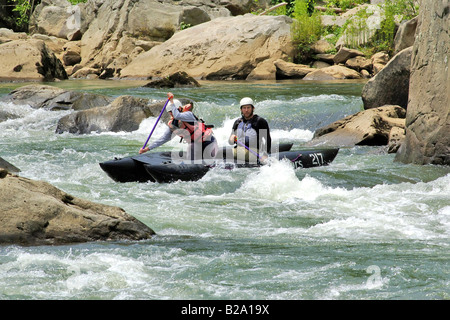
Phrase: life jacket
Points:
(198, 131)
(246, 133)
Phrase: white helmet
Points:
(245, 101)
(177, 104)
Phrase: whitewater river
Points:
(364, 227)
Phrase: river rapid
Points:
(364, 227)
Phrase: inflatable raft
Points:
(160, 166)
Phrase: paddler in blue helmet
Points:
(251, 134)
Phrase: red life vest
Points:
(198, 131)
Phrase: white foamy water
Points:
(363, 227)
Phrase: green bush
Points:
(345, 4)
(23, 8)
(306, 28)
(393, 12)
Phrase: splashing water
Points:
(363, 227)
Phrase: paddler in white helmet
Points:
(251, 134)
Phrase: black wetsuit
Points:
(251, 133)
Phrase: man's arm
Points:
(167, 136)
(233, 136)
(187, 116)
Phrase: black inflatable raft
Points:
(160, 167)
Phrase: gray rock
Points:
(8, 166)
(289, 70)
(427, 139)
(123, 114)
(405, 35)
(369, 127)
(223, 49)
(37, 213)
(53, 98)
(391, 84)
(29, 60)
(176, 80)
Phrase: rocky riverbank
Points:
(149, 39)
(119, 39)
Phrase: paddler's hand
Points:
(170, 96)
(264, 159)
(143, 150)
(232, 139)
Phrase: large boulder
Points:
(289, 70)
(345, 53)
(369, 127)
(53, 98)
(123, 29)
(125, 113)
(59, 18)
(427, 139)
(114, 32)
(391, 84)
(225, 48)
(29, 60)
(405, 35)
(37, 213)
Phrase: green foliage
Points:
(184, 25)
(307, 26)
(345, 4)
(382, 39)
(286, 10)
(306, 29)
(23, 8)
(74, 2)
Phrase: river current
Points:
(364, 227)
